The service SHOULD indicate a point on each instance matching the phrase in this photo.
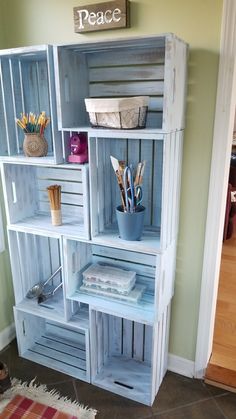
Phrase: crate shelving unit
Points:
(118, 345)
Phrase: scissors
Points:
(133, 194)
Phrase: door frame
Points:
(221, 151)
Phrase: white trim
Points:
(181, 365)
(222, 142)
(7, 335)
(2, 241)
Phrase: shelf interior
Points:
(52, 344)
(126, 377)
(43, 223)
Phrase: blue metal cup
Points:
(130, 224)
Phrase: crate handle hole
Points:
(14, 196)
(163, 282)
(123, 385)
(67, 89)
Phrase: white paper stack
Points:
(109, 281)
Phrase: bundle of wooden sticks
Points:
(54, 195)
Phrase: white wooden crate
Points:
(27, 203)
(128, 358)
(55, 345)
(27, 85)
(34, 259)
(148, 66)
(161, 186)
(154, 272)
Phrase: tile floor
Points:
(178, 398)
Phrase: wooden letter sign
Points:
(101, 16)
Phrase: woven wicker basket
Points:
(122, 113)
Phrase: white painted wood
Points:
(27, 85)
(27, 201)
(223, 128)
(175, 84)
(134, 68)
(52, 344)
(56, 136)
(181, 365)
(125, 371)
(2, 239)
(33, 259)
(126, 377)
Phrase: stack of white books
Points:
(110, 281)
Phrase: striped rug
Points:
(35, 401)
(22, 407)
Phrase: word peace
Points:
(99, 18)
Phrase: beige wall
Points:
(2, 34)
(198, 23)
(6, 293)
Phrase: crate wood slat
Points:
(135, 88)
(66, 198)
(51, 350)
(175, 89)
(7, 106)
(138, 339)
(56, 135)
(17, 100)
(129, 73)
(127, 56)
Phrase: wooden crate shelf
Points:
(155, 272)
(149, 66)
(79, 255)
(27, 85)
(33, 259)
(126, 360)
(27, 200)
(53, 344)
(161, 182)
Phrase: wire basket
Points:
(118, 113)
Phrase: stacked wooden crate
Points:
(119, 345)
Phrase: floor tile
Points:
(26, 370)
(215, 391)
(176, 391)
(227, 404)
(109, 405)
(201, 410)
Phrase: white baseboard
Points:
(181, 366)
(7, 335)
